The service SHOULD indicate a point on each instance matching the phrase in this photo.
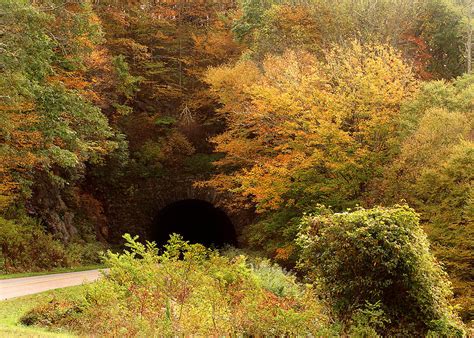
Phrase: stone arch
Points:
(182, 197)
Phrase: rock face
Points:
(62, 208)
(52, 209)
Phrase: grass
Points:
(58, 270)
(13, 309)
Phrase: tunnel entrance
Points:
(197, 221)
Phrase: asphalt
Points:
(16, 287)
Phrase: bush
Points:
(378, 256)
(25, 246)
(82, 253)
(272, 276)
(188, 290)
(366, 321)
(55, 311)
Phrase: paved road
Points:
(16, 287)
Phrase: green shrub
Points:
(272, 277)
(81, 253)
(55, 311)
(366, 321)
(377, 256)
(274, 234)
(200, 163)
(25, 246)
(188, 290)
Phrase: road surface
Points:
(16, 287)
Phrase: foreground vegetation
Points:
(394, 286)
(186, 290)
(12, 310)
(392, 275)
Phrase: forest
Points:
(242, 167)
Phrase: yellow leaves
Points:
(300, 115)
(372, 81)
(230, 84)
(371, 74)
(290, 70)
(438, 132)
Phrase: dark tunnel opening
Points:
(197, 221)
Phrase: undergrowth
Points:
(187, 289)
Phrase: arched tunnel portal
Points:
(198, 221)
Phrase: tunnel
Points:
(197, 221)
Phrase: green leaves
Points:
(378, 255)
(188, 289)
(433, 173)
(165, 121)
(128, 84)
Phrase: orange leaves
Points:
(18, 128)
(99, 58)
(301, 118)
(17, 151)
(84, 41)
(420, 54)
(217, 43)
(70, 80)
(284, 253)
(119, 18)
(176, 146)
(128, 46)
(22, 106)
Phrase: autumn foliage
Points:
(303, 129)
(111, 109)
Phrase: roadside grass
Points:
(49, 272)
(12, 310)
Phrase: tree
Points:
(51, 129)
(302, 130)
(430, 33)
(300, 121)
(433, 172)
